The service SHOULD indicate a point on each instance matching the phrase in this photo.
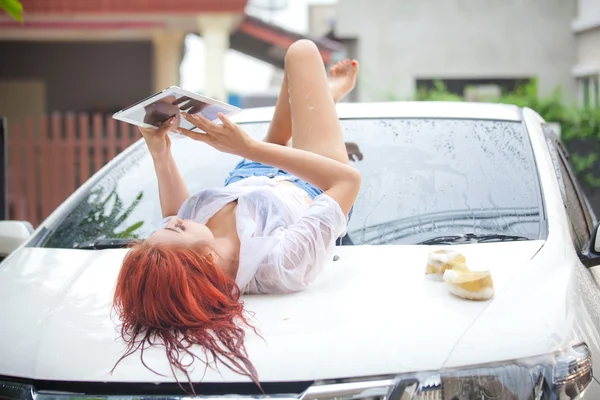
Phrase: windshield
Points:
(421, 178)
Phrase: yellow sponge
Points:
(442, 260)
(451, 267)
(472, 285)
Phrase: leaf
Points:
(128, 233)
(116, 208)
(113, 193)
(13, 8)
(129, 209)
(582, 163)
(591, 180)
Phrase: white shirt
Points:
(284, 241)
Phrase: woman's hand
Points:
(157, 140)
(228, 138)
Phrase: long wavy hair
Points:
(175, 295)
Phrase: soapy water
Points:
(443, 258)
(451, 276)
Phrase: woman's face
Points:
(183, 232)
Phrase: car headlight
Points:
(561, 375)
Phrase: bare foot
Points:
(342, 78)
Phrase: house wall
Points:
(321, 19)
(81, 76)
(588, 47)
(400, 41)
(586, 28)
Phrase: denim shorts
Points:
(247, 168)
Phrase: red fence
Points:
(50, 156)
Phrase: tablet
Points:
(160, 107)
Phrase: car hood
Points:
(371, 312)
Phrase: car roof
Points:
(405, 109)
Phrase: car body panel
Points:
(373, 300)
(405, 109)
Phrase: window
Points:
(462, 87)
(589, 91)
(421, 178)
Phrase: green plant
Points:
(438, 93)
(14, 8)
(551, 108)
(99, 216)
(582, 130)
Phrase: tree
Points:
(14, 8)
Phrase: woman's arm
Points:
(338, 180)
(171, 188)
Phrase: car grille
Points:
(377, 389)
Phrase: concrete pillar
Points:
(168, 46)
(215, 30)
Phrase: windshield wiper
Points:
(101, 244)
(473, 238)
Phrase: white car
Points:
(490, 181)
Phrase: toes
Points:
(336, 69)
(343, 67)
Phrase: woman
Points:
(269, 230)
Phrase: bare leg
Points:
(280, 130)
(341, 81)
(315, 124)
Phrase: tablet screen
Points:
(170, 105)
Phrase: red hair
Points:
(178, 295)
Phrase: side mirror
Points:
(12, 235)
